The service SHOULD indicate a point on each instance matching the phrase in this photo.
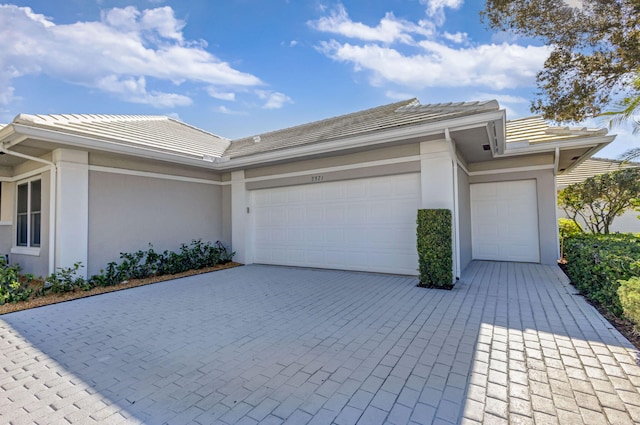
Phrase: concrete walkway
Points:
(257, 344)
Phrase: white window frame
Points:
(28, 249)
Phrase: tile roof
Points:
(158, 133)
(536, 130)
(592, 167)
(407, 112)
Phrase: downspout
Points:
(556, 161)
(456, 214)
(52, 201)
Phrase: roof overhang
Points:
(567, 153)
(379, 138)
(487, 128)
(14, 134)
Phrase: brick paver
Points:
(511, 343)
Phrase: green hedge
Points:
(629, 292)
(596, 264)
(435, 253)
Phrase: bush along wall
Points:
(597, 263)
(435, 251)
(139, 265)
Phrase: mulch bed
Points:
(48, 299)
(624, 326)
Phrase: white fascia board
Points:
(599, 142)
(6, 132)
(362, 140)
(91, 143)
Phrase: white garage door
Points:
(504, 221)
(364, 224)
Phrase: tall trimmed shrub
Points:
(435, 252)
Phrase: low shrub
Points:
(140, 265)
(566, 229)
(435, 252)
(65, 279)
(629, 293)
(12, 288)
(596, 263)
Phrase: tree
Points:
(595, 51)
(599, 199)
(627, 110)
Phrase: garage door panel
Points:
(364, 224)
(504, 221)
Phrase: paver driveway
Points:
(269, 345)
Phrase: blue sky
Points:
(241, 67)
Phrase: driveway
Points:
(270, 345)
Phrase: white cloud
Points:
(495, 66)
(500, 97)
(395, 95)
(459, 37)
(274, 100)
(134, 90)
(425, 56)
(120, 54)
(389, 30)
(224, 110)
(222, 95)
(515, 106)
(435, 8)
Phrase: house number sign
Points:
(315, 179)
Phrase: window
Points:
(28, 217)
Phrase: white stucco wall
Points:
(128, 212)
(464, 208)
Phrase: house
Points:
(625, 223)
(338, 193)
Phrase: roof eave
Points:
(24, 132)
(361, 140)
(600, 141)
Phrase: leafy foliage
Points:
(595, 50)
(600, 199)
(139, 265)
(12, 288)
(627, 110)
(596, 264)
(65, 279)
(567, 228)
(435, 253)
(629, 293)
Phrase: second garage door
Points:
(504, 221)
(364, 224)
